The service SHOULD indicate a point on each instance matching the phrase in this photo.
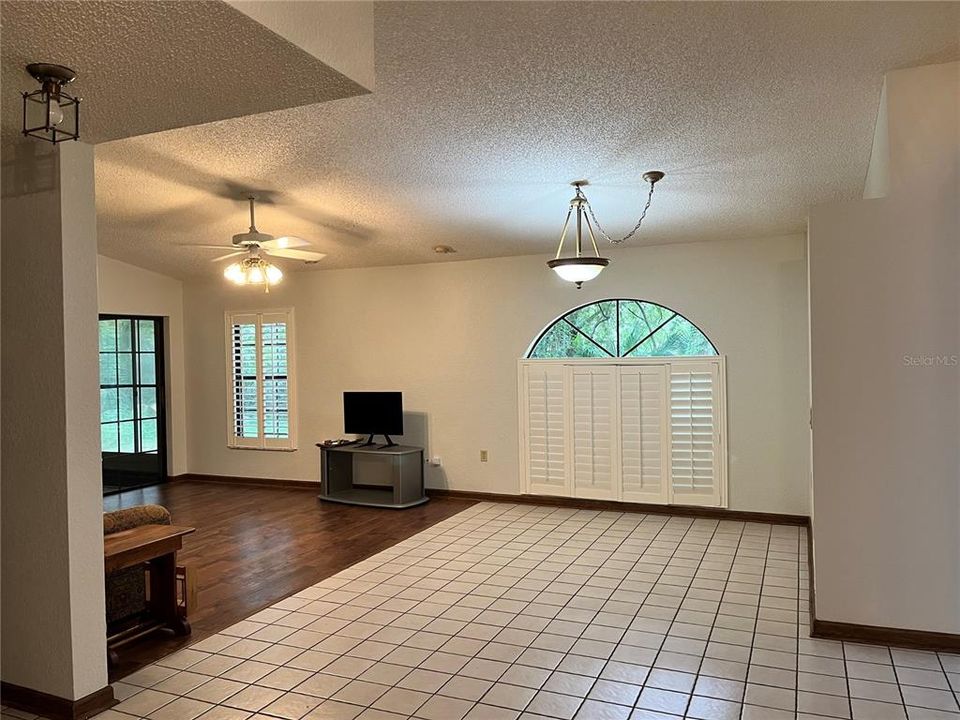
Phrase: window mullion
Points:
(617, 310)
(135, 362)
(258, 339)
(649, 335)
(605, 351)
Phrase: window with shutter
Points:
(593, 434)
(644, 433)
(544, 419)
(260, 380)
(631, 429)
(624, 399)
(695, 433)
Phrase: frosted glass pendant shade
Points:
(578, 269)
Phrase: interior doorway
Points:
(133, 442)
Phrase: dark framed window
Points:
(132, 401)
(621, 328)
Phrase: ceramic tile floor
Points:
(517, 611)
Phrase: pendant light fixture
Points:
(579, 267)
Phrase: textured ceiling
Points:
(149, 66)
(483, 112)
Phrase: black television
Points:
(373, 413)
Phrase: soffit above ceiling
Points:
(483, 112)
(149, 66)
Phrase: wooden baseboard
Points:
(812, 589)
(874, 634)
(614, 506)
(54, 707)
(312, 486)
(877, 635)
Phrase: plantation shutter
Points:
(644, 436)
(594, 403)
(647, 431)
(260, 380)
(695, 457)
(244, 369)
(544, 415)
(273, 353)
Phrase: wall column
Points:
(53, 623)
(885, 363)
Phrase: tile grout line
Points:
(642, 685)
(716, 615)
(763, 575)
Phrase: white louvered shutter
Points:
(644, 433)
(260, 382)
(545, 422)
(695, 461)
(244, 369)
(594, 439)
(274, 370)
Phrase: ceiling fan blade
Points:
(229, 255)
(283, 242)
(305, 255)
(210, 247)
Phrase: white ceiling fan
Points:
(253, 269)
(284, 246)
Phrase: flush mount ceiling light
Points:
(50, 113)
(578, 268)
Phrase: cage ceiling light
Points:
(254, 270)
(580, 267)
(50, 113)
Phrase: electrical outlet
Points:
(436, 460)
(483, 456)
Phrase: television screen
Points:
(373, 413)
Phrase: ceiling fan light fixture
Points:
(253, 271)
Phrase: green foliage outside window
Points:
(621, 328)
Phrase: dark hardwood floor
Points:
(255, 545)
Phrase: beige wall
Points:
(53, 623)
(127, 289)
(449, 335)
(885, 345)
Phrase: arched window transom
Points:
(621, 328)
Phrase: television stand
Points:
(387, 477)
(369, 442)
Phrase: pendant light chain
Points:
(635, 227)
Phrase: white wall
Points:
(127, 289)
(885, 345)
(449, 335)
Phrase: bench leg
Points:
(163, 593)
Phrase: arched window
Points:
(621, 328)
